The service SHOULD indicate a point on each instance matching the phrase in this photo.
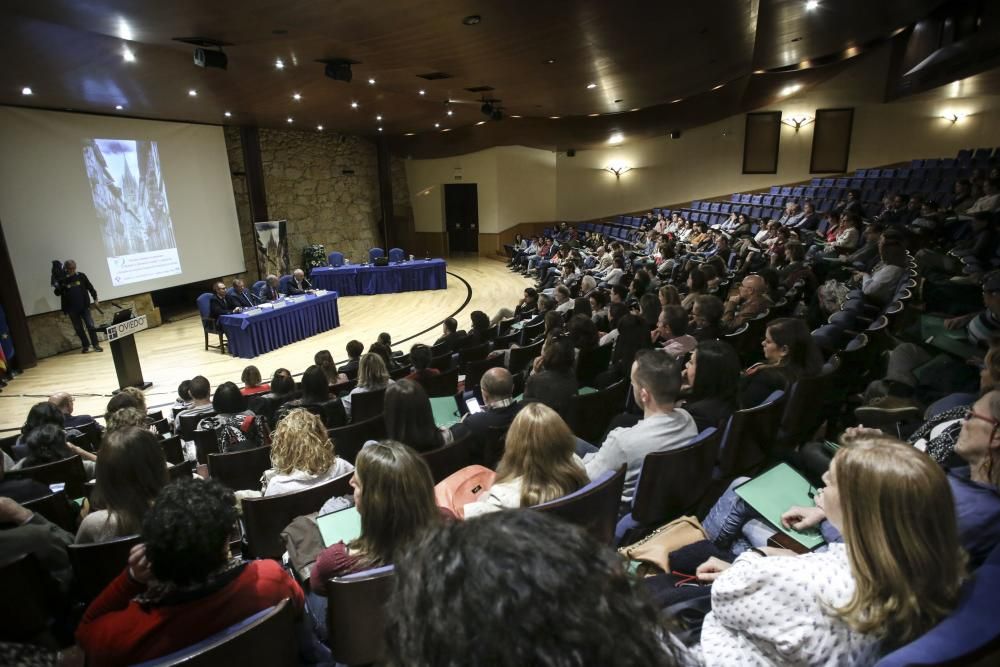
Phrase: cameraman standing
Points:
(75, 290)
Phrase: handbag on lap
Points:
(653, 551)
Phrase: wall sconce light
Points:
(618, 168)
(798, 122)
(954, 116)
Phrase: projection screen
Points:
(140, 205)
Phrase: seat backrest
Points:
(594, 411)
(367, 404)
(531, 332)
(68, 471)
(205, 443)
(172, 449)
(443, 461)
(265, 518)
(335, 258)
(27, 621)
(747, 435)
(592, 362)
(442, 362)
(181, 470)
(671, 483)
(348, 440)
(204, 309)
(594, 507)
(57, 509)
(445, 384)
(257, 286)
(187, 424)
(803, 414)
(96, 565)
(520, 357)
(396, 255)
(474, 370)
(375, 253)
(355, 616)
(240, 470)
(473, 353)
(266, 638)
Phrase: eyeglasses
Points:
(972, 414)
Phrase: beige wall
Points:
(515, 184)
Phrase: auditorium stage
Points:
(175, 351)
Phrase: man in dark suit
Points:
(355, 349)
(299, 284)
(452, 336)
(487, 426)
(269, 290)
(219, 306)
(75, 291)
(241, 298)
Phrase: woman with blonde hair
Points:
(373, 375)
(539, 463)
(302, 455)
(897, 573)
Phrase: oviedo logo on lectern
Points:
(127, 328)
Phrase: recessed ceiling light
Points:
(437, 124)
(474, 19)
(616, 138)
(127, 55)
(192, 93)
(591, 86)
(447, 129)
(296, 97)
(788, 90)
(679, 99)
(380, 129)
(549, 61)
(759, 71)
(125, 30)
(279, 64)
(482, 122)
(371, 82)
(319, 127)
(421, 92)
(227, 114)
(290, 119)
(554, 117)
(811, 5)
(26, 91)
(354, 105)
(719, 86)
(515, 116)
(119, 107)
(378, 117)
(450, 112)
(408, 134)
(593, 114)
(636, 109)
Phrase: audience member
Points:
(201, 402)
(451, 337)
(133, 470)
(23, 532)
(553, 380)
(324, 360)
(421, 357)
(711, 384)
(316, 399)
(47, 444)
(706, 318)
(39, 415)
(751, 302)
(789, 353)
(355, 349)
(410, 420)
(302, 455)
(252, 383)
(64, 402)
(372, 376)
(483, 428)
(670, 334)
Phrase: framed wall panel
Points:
(831, 140)
(760, 142)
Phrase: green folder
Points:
(445, 411)
(773, 492)
(340, 526)
(953, 341)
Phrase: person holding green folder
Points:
(868, 595)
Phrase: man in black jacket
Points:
(75, 291)
(219, 305)
(490, 425)
(241, 297)
(299, 284)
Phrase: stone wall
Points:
(52, 333)
(237, 169)
(306, 184)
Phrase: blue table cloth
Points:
(420, 274)
(261, 330)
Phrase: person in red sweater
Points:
(180, 586)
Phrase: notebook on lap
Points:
(773, 492)
(340, 526)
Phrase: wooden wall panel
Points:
(761, 141)
(831, 145)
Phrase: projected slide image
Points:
(130, 199)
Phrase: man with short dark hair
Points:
(656, 381)
(201, 400)
(241, 298)
(670, 334)
(75, 291)
(452, 336)
(219, 305)
(497, 386)
(420, 357)
(355, 349)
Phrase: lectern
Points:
(121, 337)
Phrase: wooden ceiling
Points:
(538, 57)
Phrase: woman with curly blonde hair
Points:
(302, 455)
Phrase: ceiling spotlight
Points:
(636, 109)
(319, 127)
(354, 105)
(227, 114)
(591, 86)
(591, 115)
(679, 99)
(514, 116)
(811, 5)
(380, 129)
(279, 64)
(408, 134)
(378, 117)
(421, 92)
(26, 91)
(719, 86)
(482, 122)
(450, 112)
(437, 124)
(290, 119)
(549, 61)
(119, 107)
(192, 93)
(371, 82)
(554, 117)
(789, 90)
(127, 55)
(296, 97)
(616, 138)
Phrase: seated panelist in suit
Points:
(241, 297)
(219, 305)
(299, 283)
(269, 290)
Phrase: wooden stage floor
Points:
(175, 351)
